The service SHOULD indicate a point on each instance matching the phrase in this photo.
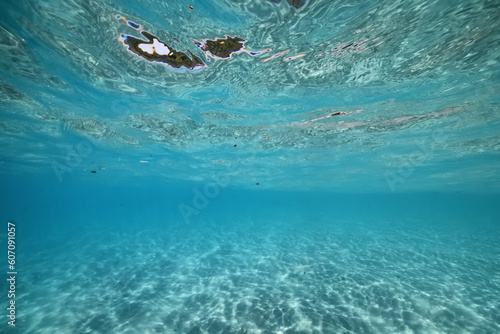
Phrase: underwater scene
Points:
(250, 166)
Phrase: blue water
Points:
(250, 166)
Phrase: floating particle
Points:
(257, 183)
(191, 7)
(235, 145)
(93, 171)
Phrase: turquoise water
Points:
(250, 166)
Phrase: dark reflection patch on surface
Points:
(294, 3)
(134, 25)
(154, 50)
(297, 3)
(224, 48)
(130, 23)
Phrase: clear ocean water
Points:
(250, 166)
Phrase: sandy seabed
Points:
(343, 278)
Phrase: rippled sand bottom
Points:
(264, 278)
